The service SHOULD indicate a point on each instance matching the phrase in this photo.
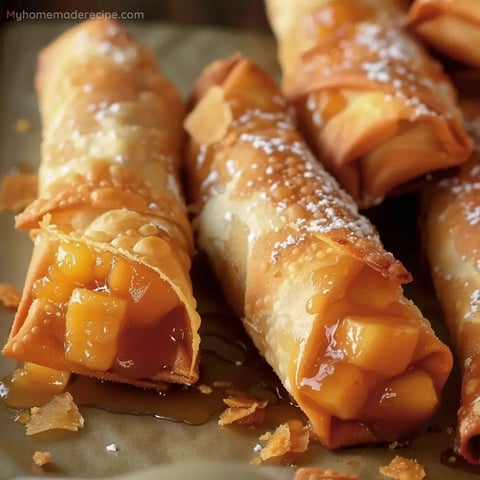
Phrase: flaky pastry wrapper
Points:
(108, 292)
(451, 238)
(376, 109)
(317, 292)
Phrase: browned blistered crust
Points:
(109, 179)
(354, 234)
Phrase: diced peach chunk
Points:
(47, 376)
(93, 324)
(340, 388)
(55, 287)
(381, 345)
(152, 299)
(120, 275)
(34, 384)
(374, 290)
(103, 263)
(148, 295)
(42, 377)
(330, 103)
(412, 396)
(76, 261)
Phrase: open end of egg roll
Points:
(93, 310)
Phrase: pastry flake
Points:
(60, 412)
(42, 458)
(401, 468)
(9, 295)
(307, 473)
(242, 411)
(289, 437)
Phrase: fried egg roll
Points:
(452, 238)
(375, 108)
(108, 292)
(318, 294)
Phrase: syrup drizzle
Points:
(229, 364)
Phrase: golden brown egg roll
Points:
(452, 240)
(451, 26)
(108, 292)
(317, 292)
(375, 108)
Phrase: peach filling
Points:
(369, 370)
(120, 316)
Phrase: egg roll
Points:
(108, 292)
(374, 107)
(318, 294)
(452, 27)
(451, 236)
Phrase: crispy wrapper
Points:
(108, 292)
(317, 292)
(453, 27)
(376, 109)
(451, 238)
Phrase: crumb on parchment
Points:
(60, 412)
(205, 389)
(242, 411)
(308, 473)
(290, 437)
(401, 468)
(9, 295)
(42, 458)
(22, 125)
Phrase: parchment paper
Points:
(173, 450)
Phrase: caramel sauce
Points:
(145, 350)
(229, 364)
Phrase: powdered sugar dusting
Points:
(466, 185)
(474, 304)
(379, 50)
(472, 214)
(279, 174)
